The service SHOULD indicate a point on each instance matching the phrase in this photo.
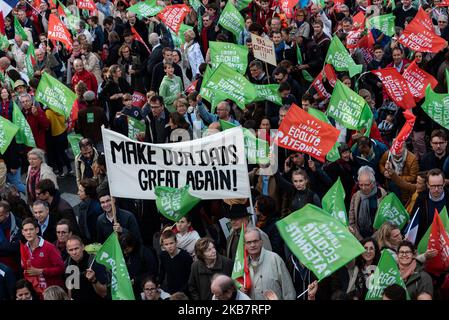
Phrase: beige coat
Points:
(46, 173)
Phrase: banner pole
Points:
(253, 216)
(268, 75)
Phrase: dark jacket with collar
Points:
(157, 131)
(61, 209)
(50, 232)
(10, 245)
(420, 281)
(126, 220)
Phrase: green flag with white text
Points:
(334, 202)
(19, 30)
(423, 243)
(348, 108)
(74, 140)
(446, 73)
(145, 9)
(386, 274)
(24, 135)
(195, 4)
(231, 20)
(383, 23)
(7, 132)
(30, 60)
(174, 203)
(436, 105)
(318, 240)
(135, 127)
(111, 256)
(333, 154)
(391, 209)
(55, 95)
(268, 92)
(339, 57)
(233, 55)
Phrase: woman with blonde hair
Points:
(55, 293)
(192, 53)
(388, 237)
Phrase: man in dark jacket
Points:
(154, 58)
(438, 155)
(156, 121)
(158, 72)
(47, 223)
(10, 226)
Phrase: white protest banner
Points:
(263, 49)
(214, 166)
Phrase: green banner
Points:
(232, 55)
(334, 202)
(423, 243)
(7, 132)
(383, 23)
(268, 92)
(333, 154)
(391, 209)
(145, 9)
(135, 127)
(232, 20)
(174, 203)
(74, 140)
(53, 94)
(111, 256)
(19, 30)
(386, 274)
(348, 108)
(436, 105)
(318, 240)
(339, 57)
(24, 134)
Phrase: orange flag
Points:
(58, 32)
(173, 16)
(302, 132)
(439, 241)
(418, 80)
(86, 5)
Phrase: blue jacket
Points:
(208, 117)
(379, 149)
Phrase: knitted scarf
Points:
(365, 222)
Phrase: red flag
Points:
(396, 86)
(366, 44)
(139, 38)
(419, 35)
(192, 86)
(353, 38)
(58, 32)
(86, 5)
(444, 3)
(173, 16)
(287, 7)
(438, 240)
(398, 143)
(418, 80)
(331, 77)
(302, 132)
(139, 99)
(359, 21)
(2, 23)
(52, 4)
(61, 12)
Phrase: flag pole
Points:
(411, 223)
(268, 75)
(302, 293)
(114, 212)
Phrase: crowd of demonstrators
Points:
(118, 56)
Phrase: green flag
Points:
(231, 19)
(318, 240)
(19, 30)
(242, 4)
(268, 92)
(24, 134)
(348, 108)
(30, 60)
(7, 132)
(338, 56)
(111, 256)
(256, 150)
(74, 140)
(391, 209)
(71, 21)
(4, 42)
(423, 243)
(135, 127)
(383, 23)
(333, 154)
(178, 39)
(229, 84)
(334, 202)
(306, 75)
(232, 55)
(446, 73)
(205, 92)
(145, 9)
(436, 105)
(195, 4)
(238, 270)
(174, 203)
(386, 274)
(52, 93)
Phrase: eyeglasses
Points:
(437, 186)
(405, 253)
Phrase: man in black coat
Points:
(46, 221)
(156, 121)
(438, 155)
(10, 226)
(155, 57)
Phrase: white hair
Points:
(367, 171)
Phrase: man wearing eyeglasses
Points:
(63, 233)
(436, 158)
(435, 197)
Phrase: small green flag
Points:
(333, 154)
(348, 108)
(383, 23)
(135, 127)
(386, 274)
(338, 56)
(7, 132)
(242, 4)
(71, 21)
(74, 140)
(238, 270)
(436, 105)
(268, 92)
(30, 60)
(306, 75)
(318, 240)
(232, 20)
(111, 256)
(225, 83)
(19, 30)
(334, 202)
(391, 209)
(233, 55)
(4, 42)
(174, 203)
(423, 243)
(145, 9)
(195, 4)
(446, 73)
(52, 93)
(24, 134)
